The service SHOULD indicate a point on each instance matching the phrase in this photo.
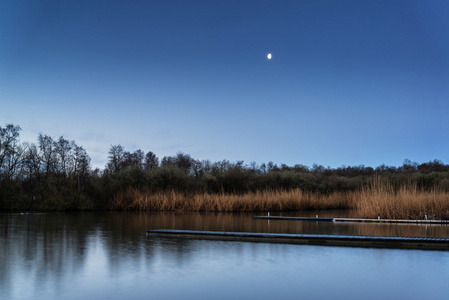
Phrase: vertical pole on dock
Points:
(426, 215)
(268, 213)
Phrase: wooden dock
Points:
(352, 220)
(294, 218)
(309, 239)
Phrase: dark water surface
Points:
(108, 256)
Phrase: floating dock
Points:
(309, 239)
(352, 220)
(295, 218)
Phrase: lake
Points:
(106, 255)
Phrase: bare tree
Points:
(135, 159)
(183, 161)
(63, 150)
(10, 150)
(151, 161)
(81, 164)
(116, 155)
(31, 162)
(47, 153)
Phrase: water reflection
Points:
(246, 223)
(107, 256)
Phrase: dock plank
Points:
(294, 218)
(352, 220)
(309, 239)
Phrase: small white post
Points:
(378, 217)
(317, 216)
(426, 216)
(268, 213)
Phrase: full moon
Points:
(269, 56)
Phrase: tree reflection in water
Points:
(106, 255)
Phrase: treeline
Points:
(52, 174)
(56, 174)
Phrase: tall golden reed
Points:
(133, 199)
(379, 199)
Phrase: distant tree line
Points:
(56, 174)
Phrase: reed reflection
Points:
(47, 253)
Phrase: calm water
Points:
(108, 256)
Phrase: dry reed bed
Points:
(260, 201)
(379, 199)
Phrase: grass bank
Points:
(378, 199)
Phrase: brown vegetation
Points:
(380, 199)
(134, 199)
(406, 202)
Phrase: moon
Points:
(269, 56)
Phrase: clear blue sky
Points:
(350, 82)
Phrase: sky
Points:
(350, 82)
